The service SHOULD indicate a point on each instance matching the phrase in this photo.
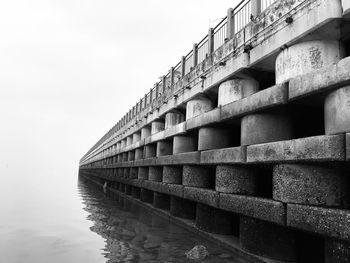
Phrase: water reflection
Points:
(134, 234)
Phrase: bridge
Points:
(247, 138)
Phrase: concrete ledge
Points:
(266, 98)
(206, 118)
(260, 208)
(318, 148)
(226, 155)
(152, 185)
(173, 189)
(175, 130)
(321, 80)
(181, 158)
(138, 162)
(149, 161)
(155, 137)
(135, 182)
(325, 221)
(347, 139)
(201, 195)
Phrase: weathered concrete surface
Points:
(145, 132)
(276, 95)
(181, 158)
(184, 144)
(329, 77)
(204, 196)
(325, 221)
(337, 111)
(214, 220)
(337, 251)
(256, 128)
(206, 118)
(197, 176)
(161, 201)
(234, 155)
(182, 208)
(236, 89)
(143, 173)
(267, 239)
(157, 126)
(318, 148)
(177, 129)
(172, 174)
(213, 138)
(146, 195)
(150, 150)
(173, 118)
(164, 148)
(311, 185)
(173, 189)
(139, 153)
(152, 185)
(198, 106)
(136, 137)
(260, 208)
(233, 179)
(306, 57)
(128, 140)
(131, 155)
(155, 173)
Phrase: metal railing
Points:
(241, 15)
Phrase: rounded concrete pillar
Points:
(129, 140)
(214, 220)
(197, 176)
(134, 172)
(265, 127)
(311, 185)
(143, 173)
(172, 174)
(183, 144)
(146, 195)
(145, 132)
(157, 126)
(155, 173)
(161, 201)
(182, 208)
(126, 173)
(125, 156)
(122, 144)
(173, 118)
(120, 158)
(131, 155)
(337, 111)
(306, 57)
(118, 146)
(164, 148)
(198, 106)
(236, 180)
(236, 89)
(346, 7)
(337, 251)
(136, 137)
(150, 151)
(135, 192)
(139, 153)
(213, 138)
(267, 239)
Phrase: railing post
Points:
(150, 95)
(171, 76)
(210, 41)
(230, 24)
(183, 64)
(163, 83)
(195, 55)
(156, 89)
(256, 7)
(145, 98)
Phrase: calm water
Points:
(79, 223)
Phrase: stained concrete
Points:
(164, 148)
(155, 173)
(172, 174)
(184, 144)
(236, 89)
(173, 118)
(198, 106)
(213, 138)
(197, 176)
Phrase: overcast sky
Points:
(70, 69)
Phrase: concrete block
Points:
(329, 77)
(157, 126)
(198, 106)
(256, 207)
(263, 99)
(138, 162)
(150, 151)
(153, 186)
(164, 148)
(236, 180)
(173, 189)
(197, 176)
(236, 89)
(175, 130)
(264, 127)
(267, 239)
(337, 111)
(204, 196)
(149, 161)
(173, 118)
(317, 148)
(172, 174)
(214, 220)
(329, 222)
(161, 201)
(206, 118)
(306, 57)
(139, 153)
(337, 251)
(184, 143)
(213, 138)
(311, 185)
(143, 173)
(155, 173)
(182, 208)
(232, 155)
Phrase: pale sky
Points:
(70, 69)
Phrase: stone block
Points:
(172, 174)
(204, 196)
(155, 173)
(234, 155)
(256, 207)
(173, 189)
(154, 186)
(197, 176)
(317, 148)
